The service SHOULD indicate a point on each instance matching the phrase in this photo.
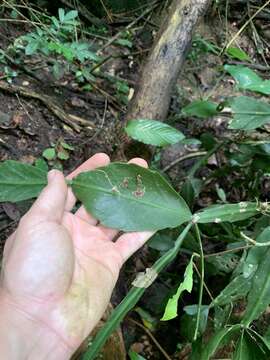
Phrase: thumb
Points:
(50, 204)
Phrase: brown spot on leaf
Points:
(139, 180)
(115, 190)
(139, 192)
(125, 183)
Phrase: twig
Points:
(148, 332)
(129, 26)
(106, 11)
(102, 62)
(37, 23)
(99, 127)
(71, 120)
(23, 107)
(84, 12)
(19, 66)
(19, 21)
(182, 158)
(254, 66)
(256, 37)
(245, 25)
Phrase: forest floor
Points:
(29, 126)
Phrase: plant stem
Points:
(148, 332)
(240, 248)
(182, 158)
(131, 299)
(204, 284)
(198, 234)
(203, 160)
(254, 242)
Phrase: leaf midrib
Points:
(258, 113)
(129, 198)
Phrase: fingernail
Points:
(52, 174)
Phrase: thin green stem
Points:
(198, 235)
(132, 298)
(254, 242)
(240, 248)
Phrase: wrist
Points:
(23, 338)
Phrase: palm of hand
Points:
(60, 268)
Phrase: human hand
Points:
(59, 270)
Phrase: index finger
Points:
(94, 162)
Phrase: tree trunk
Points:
(161, 70)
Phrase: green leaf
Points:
(61, 14)
(55, 22)
(259, 295)
(124, 42)
(161, 242)
(148, 320)
(41, 164)
(134, 356)
(237, 53)
(66, 146)
(63, 155)
(201, 108)
(49, 154)
(237, 288)
(14, 14)
(82, 52)
(19, 181)
(227, 212)
(240, 285)
(266, 337)
(191, 141)
(191, 189)
(31, 47)
(188, 321)
(255, 254)
(153, 132)
(62, 49)
(263, 343)
(186, 285)
(247, 79)
(250, 348)
(131, 299)
(244, 76)
(71, 15)
(223, 264)
(130, 198)
(221, 193)
(220, 338)
(122, 87)
(222, 316)
(249, 113)
(58, 70)
(242, 351)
